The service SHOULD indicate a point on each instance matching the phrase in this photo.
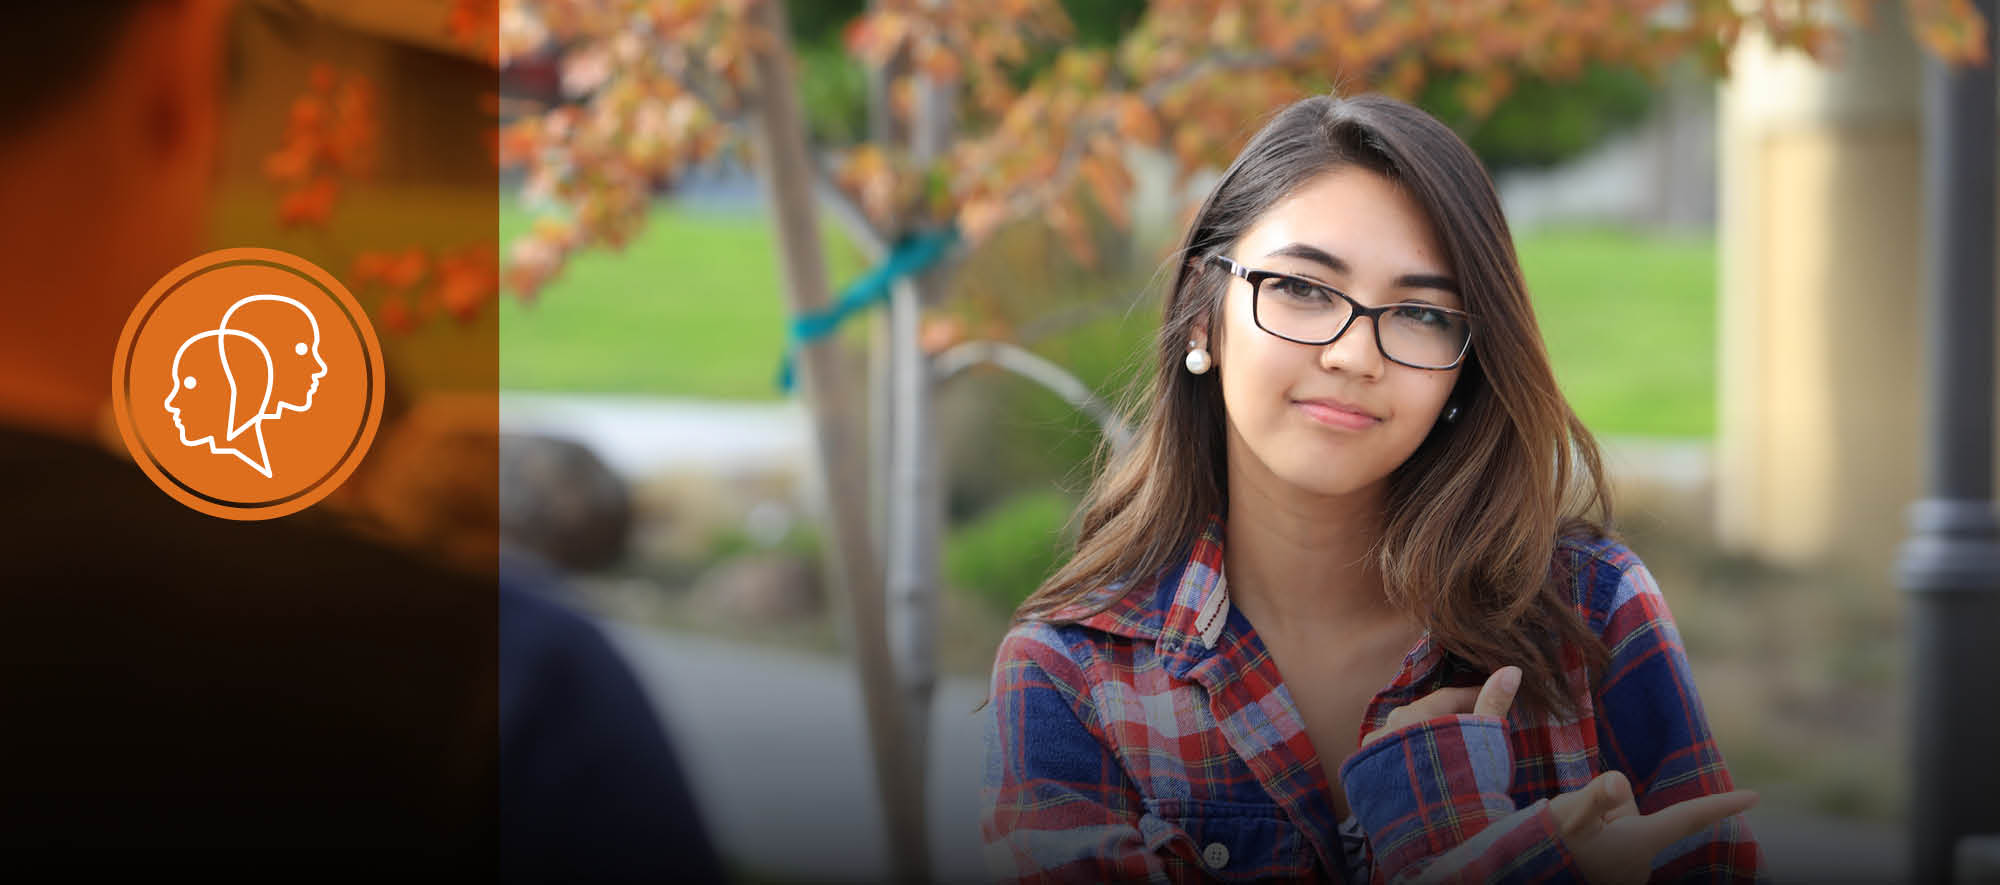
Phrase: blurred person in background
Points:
(1349, 608)
(589, 788)
(186, 695)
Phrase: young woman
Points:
(1347, 609)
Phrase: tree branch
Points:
(1028, 200)
(873, 244)
(1050, 376)
(854, 222)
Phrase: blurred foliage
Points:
(1003, 555)
(801, 541)
(1097, 22)
(1103, 22)
(1543, 122)
(720, 545)
(1050, 97)
(818, 22)
(1002, 433)
(833, 88)
(1540, 123)
(833, 84)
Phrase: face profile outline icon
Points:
(284, 361)
(276, 319)
(241, 419)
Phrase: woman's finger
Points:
(1618, 791)
(1443, 702)
(1683, 819)
(1580, 812)
(1496, 697)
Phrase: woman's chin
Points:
(1327, 479)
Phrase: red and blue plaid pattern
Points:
(1131, 745)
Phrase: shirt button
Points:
(1216, 855)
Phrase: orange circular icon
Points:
(248, 383)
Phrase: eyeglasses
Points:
(1415, 334)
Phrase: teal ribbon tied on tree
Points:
(912, 255)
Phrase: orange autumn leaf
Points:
(369, 267)
(1137, 122)
(309, 206)
(330, 132)
(393, 313)
(941, 64)
(406, 269)
(977, 219)
(466, 280)
(1951, 29)
(1106, 189)
(289, 163)
(939, 333)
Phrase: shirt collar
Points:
(1185, 607)
(1187, 612)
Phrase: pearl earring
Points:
(1197, 359)
(1451, 413)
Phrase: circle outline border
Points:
(358, 445)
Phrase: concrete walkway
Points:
(641, 435)
(778, 758)
(638, 436)
(775, 747)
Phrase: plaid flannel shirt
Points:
(1155, 741)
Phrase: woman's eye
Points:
(1300, 289)
(1424, 316)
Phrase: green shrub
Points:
(833, 90)
(1543, 122)
(1004, 554)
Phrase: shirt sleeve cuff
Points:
(1430, 786)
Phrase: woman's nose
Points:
(1354, 351)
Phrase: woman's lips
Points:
(1335, 415)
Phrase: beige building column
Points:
(1819, 408)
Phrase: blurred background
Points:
(1721, 235)
(358, 136)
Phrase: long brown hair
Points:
(1474, 515)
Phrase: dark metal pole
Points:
(1950, 565)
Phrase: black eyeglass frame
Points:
(1357, 310)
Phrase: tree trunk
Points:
(915, 496)
(780, 145)
(882, 130)
(914, 505)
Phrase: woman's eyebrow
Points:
(1316, 255)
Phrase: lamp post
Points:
(1950, 564)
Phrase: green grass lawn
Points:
(1630, 324)
(693, 308)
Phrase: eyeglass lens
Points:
(1411, 333)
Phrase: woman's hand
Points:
(1492, 699)
(1600, 824)
(1612, 842)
